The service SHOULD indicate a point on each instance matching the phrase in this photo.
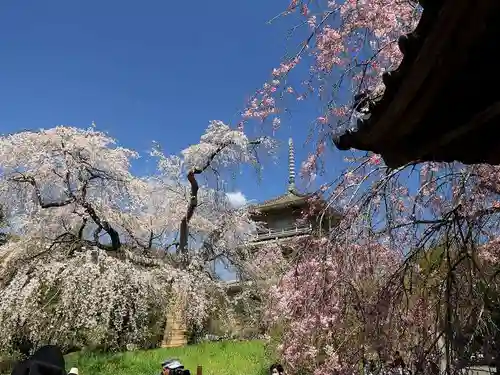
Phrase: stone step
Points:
(175, 329)
(174, 343)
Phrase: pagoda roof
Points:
(436, 106)
(291, 198)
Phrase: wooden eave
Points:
(442, 103)
(290, 199)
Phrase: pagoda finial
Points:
(291, 166)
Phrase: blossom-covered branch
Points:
(220, 145)
(74, 211)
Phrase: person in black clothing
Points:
(398, 361)
(48, 360)
(276, 369)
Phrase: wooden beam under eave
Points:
(477, 121)
(444, 147)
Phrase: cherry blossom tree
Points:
(346, 48)
(98, 251)
(374, 273)
(319, 336)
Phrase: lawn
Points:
(220, 358)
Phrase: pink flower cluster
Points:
(351, 44)
(328, 287)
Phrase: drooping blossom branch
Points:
(63, 188)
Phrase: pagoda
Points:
(291, 214)
(284, 219)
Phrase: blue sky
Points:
(154, 70)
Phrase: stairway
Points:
(175, 329)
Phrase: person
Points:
(48, 360)
(170, 365)
(398, 363)
(276, 369)
(398, 360)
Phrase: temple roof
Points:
(292, 197)
(436, 106)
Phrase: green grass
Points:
(221, 358)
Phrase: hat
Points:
(48, 360)
(171, 364)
